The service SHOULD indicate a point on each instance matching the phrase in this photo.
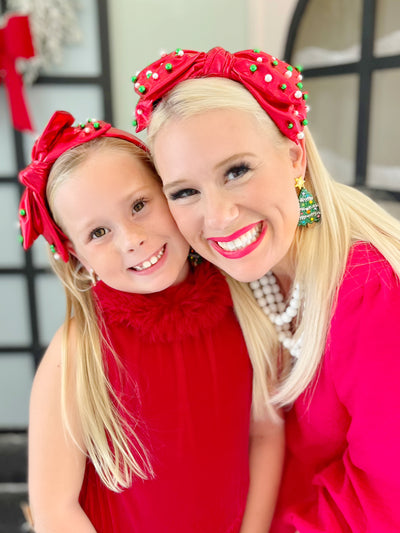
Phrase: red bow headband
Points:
(276, 85)
(58, 136)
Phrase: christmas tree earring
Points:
(309, 209)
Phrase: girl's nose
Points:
(132, 237)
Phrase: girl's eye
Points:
(183, 193)
(97, 233)
(138, 206)
(237, 171)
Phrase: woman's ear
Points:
(298, 157)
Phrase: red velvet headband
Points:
(58, 136)
(276, 85)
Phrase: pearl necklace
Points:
(269, 297)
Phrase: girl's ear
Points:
(72, 251)
(298, 157)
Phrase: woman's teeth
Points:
(242, 241)
(150, 262)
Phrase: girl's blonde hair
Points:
(107, 429)
(318, 252)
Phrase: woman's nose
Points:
(220, 211)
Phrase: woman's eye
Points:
(237, 171)
(183, 193)
(97, 233)
(138, 206)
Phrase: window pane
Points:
(83, 57)
(333, 122)
(11, 249)
(16, 375)
(7, 161)
(82, 101)
(51, 306)
(384, 154)
(329, 33)
(14, 310)
(387, 29)
(40, 256)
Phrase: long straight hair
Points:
(107, 429)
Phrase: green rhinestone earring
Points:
(309, 208)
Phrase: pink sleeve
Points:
(364, 360)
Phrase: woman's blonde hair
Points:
(108, 430)
(318, 252)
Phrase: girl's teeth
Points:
(241, 242)
(150, 262)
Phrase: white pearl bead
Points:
(274, 307)
(286, 343)
(270, 298)
(281, 307)
(258, 293)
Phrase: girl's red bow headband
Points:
(276, 85)
(58, 136)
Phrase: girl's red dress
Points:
(186, 377)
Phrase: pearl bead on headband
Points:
(276, 85)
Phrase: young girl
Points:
(140, 409)
(246, 186)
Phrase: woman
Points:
(244, 181)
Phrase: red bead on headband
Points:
(58, 136)
(276, 85)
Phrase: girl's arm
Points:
(267, 448)
(56, 464)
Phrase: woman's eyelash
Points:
(237, 171)
(182, 193)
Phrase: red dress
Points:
(343, 433)
(187, 378)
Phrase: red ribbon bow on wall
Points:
(15, 41)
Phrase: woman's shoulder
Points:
(367, 266)
(369, 285)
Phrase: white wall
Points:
(140, 29)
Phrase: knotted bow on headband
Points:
(276, 85)
(58, 136)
